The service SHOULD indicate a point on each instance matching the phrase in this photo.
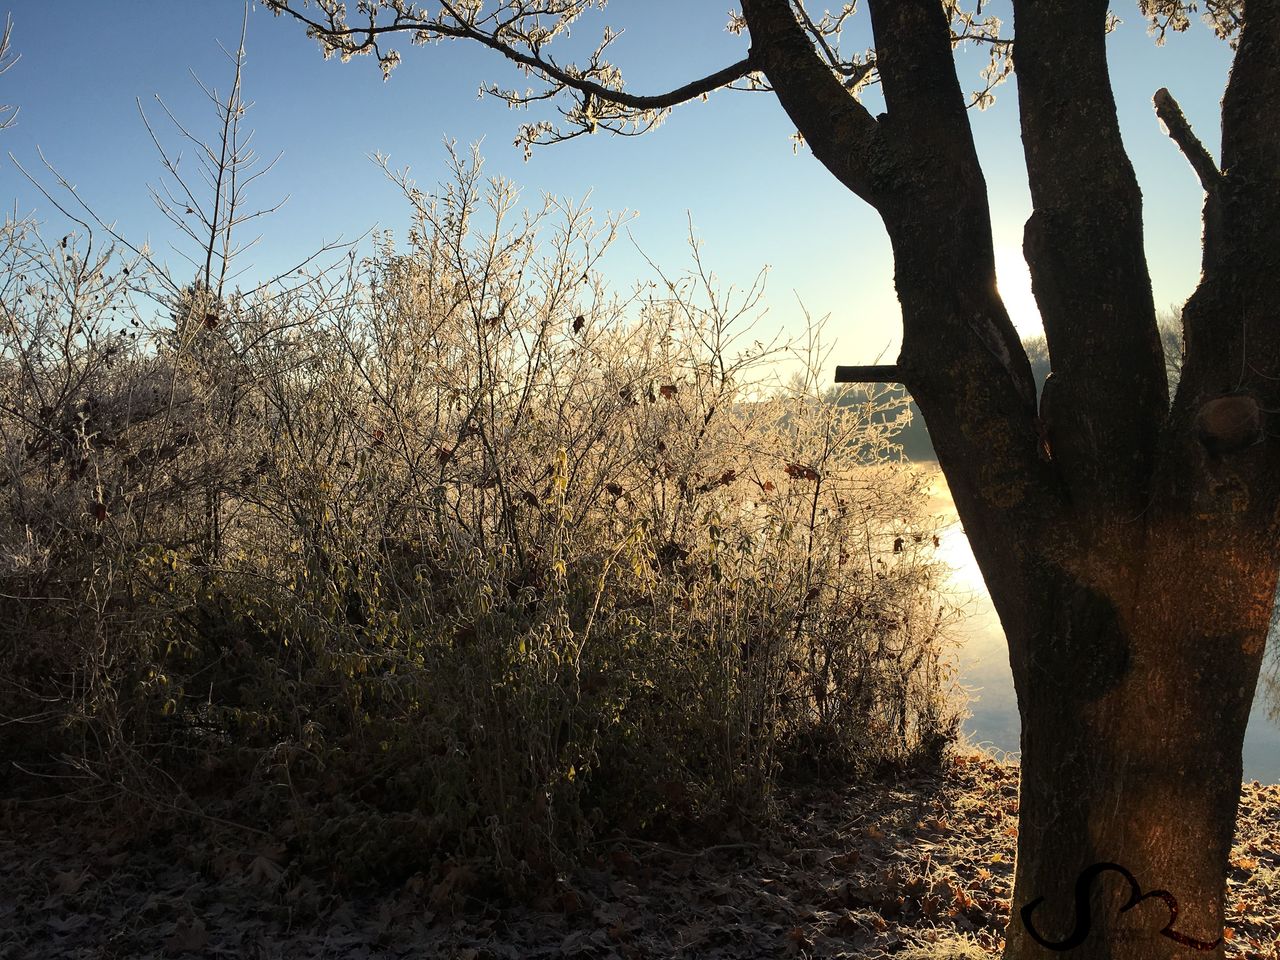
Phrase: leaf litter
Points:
(916, 867)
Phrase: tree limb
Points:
(355, 40)
(1250, 133)
(661, 101)
(1180, 133)
(1084, 245)
(838, 128)
(917, 69)
(939, 188)
(1232, 339)
(961, 357)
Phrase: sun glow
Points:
(953, 549)
(1014, 282)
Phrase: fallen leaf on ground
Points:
(189, 936)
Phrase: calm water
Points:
(984, 662)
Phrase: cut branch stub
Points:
(1180, 133)
(881, 373)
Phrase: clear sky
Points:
(728, 163)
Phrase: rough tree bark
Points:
(1130, 548)
(1128, 542)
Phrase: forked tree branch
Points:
(1180, 132)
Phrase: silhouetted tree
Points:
(1129, 543)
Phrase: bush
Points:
(455, 555)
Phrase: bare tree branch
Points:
(520, 37)
(1225, 17)
(8, 112)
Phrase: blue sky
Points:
(727, 163)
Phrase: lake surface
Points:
(984, 660)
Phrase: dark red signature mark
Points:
(1084, 918)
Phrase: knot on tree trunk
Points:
(1229, 423)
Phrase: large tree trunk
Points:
(1129, 544)
(1133, 712)
(1135, 648)
(1136, 671)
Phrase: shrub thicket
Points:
(451, 554)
